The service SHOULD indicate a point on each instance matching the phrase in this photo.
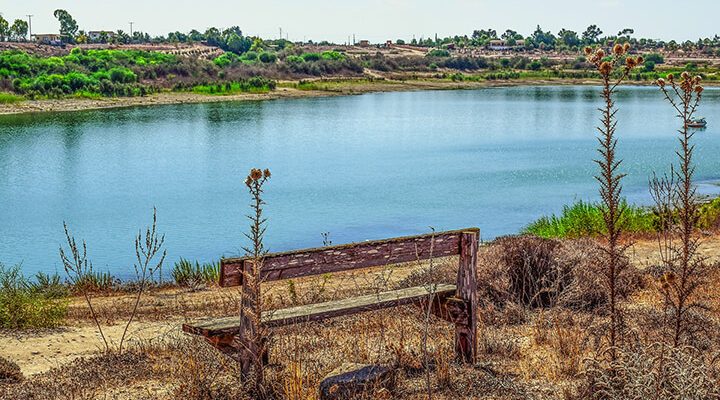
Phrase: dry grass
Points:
(525, 352)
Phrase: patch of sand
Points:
(39, 352)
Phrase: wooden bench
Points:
(455, 303)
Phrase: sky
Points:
(377, 20)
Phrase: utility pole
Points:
(131, 28)
(30, 26)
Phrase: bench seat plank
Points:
(320, 311)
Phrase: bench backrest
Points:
(317, 261)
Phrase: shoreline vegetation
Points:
(13, 105)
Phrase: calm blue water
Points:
(361, 167)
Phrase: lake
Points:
(359, 167)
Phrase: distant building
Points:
(501, 45)
(364, 43)
(95, 36)
(47, 38)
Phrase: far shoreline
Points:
(285, 90)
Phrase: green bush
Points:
(226, 60)
(267, 58)
(655, 57)
(7, 98)
(189, 274)
(332, 55)
(649, 66)
(23, 307)
(710, 215)
(250, 56)
(51, 286)
(438, 53)
(84, 71)
(256, 84)
(586, 219)
(294, 60)
(311, 56)
(97, 282)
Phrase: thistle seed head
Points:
(605, 68)
(256, 174)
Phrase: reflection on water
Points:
(360, 167)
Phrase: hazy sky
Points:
(377, 20)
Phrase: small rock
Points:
(352, 379)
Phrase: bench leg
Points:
(235, 347)
(466, 331)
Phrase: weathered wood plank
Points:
(346, 257)
(466, 331)
(320, 311)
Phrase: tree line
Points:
(232, 39)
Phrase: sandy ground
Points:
(40, 352)
(163, 312)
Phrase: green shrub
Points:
(438, 53)
(7, 98)
(649, 66)
(710, 215)
(122, 75)
(586, 219)
(226, 60)
(250, 56)
(457, 77)
(655, 57)
(96, 282)
(311, 56)
(22, 307)
(267, 58)
(294, 60)
(256, 84)
(332, 55)
(51, 286)
(189, 274)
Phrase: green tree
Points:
(238, 44)
(196, 36)
(19, 30)
(4, 29)
(68, 25)
(649, 66)
(624, 35)
(591, 34)
(543, 40)
(568, 38)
